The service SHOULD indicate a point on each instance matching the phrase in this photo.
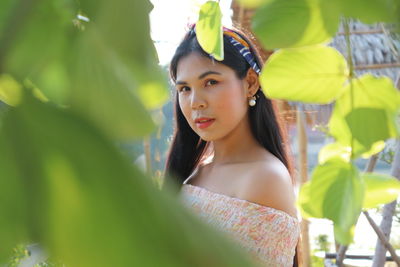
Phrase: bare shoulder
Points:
(269, 183)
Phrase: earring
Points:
(252, 101)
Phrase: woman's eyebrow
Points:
(201, 76)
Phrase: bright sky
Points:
(169, 20)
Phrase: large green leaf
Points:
(103, 66)
(313, 74)
(294, 23)
(370, 118)
(371, 11)
(125, 33)
(379, 189)
(36, 38)
(65, 186)
(209, 30)
(102, 90)
(335, 192)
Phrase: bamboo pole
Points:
(302, 144)
(377, 66)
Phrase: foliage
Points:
(317, 261)
(19, 252)
(323, 242)
(209, 30)
(366, 108)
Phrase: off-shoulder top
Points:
(269, 235)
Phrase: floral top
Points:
(268, 234)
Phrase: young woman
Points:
(229, 151)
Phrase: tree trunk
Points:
(387, 215)
(388, 209)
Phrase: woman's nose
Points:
(198, 101)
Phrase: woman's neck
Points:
(239, 146)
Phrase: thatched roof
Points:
(374, 49)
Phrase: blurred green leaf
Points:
(371, 11)
(370, 119)
(99, 63)
(375, 148)
(131, 52)
(102, 95)
(344, 236)
(335, 192)
(253, 3)
(209, 30)
(34, 34)
(294, 23)
(313, 74)
(334, 150)
(65, 186)
(379, 189)
(10, 90)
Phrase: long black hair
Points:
(187, 148)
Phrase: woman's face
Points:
(212, 98)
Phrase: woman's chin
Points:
(206, 137)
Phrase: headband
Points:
(241, 46)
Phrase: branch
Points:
(382, 238)
(340, 255)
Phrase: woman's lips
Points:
(205, 124)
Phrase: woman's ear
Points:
(252, 82)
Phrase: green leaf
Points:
(105, 67)
(311, 74)
(128, 47)
(10, 90)
(6, 8)
(253, 3)
(294, 23)
(103, 91)
(344, 236)
(335, 192)
(64, 185)
(209, 30)
(334, 150)
(370, 119)
(375, 148)
(371, 11)
(379, 189)
(39, 36)
(303, 202)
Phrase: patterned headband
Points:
(241, 46)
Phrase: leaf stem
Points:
(351, 74)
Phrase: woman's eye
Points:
(183, 89)
(211, 82)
